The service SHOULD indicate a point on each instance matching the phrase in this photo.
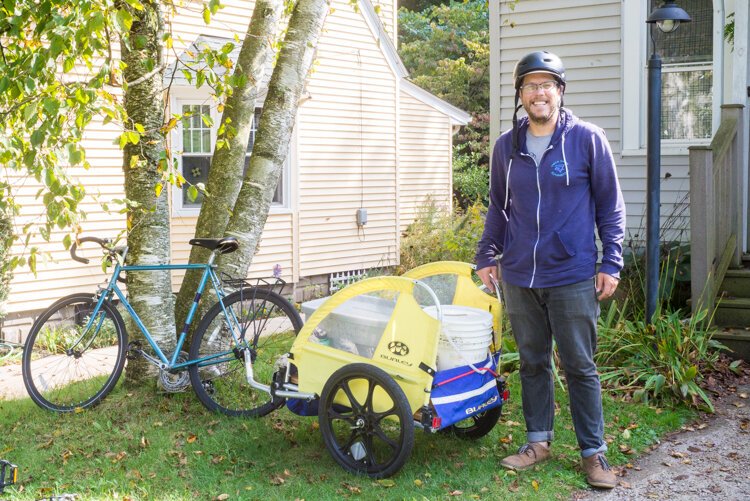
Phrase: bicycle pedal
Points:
(134, 349)
(8, 474)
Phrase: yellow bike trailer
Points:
(366, 361)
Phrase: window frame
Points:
(635, 52)
(183, 95)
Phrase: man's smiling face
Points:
(541, 105)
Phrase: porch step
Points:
(737, 340)
(733, 312)
(736, 283)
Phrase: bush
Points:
(437, 235)
(471, 180)
(659, 362)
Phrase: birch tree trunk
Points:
(228, 162)
(274, 133)
(150, 293)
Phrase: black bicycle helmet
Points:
(535, 62)
(539, 62)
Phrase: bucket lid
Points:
(462, 316)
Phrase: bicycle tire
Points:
(65, 369)
(269, 325)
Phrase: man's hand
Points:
(606, 285)
(484, 276)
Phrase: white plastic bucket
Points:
(469, 329)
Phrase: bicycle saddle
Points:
(223, 245)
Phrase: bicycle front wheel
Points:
(72, 357)
(266, 324)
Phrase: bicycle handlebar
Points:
(103, 242)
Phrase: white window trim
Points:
(634, 94)
(180, 95)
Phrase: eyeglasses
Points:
(530, 88)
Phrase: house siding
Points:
(587, 35)
(424, 158)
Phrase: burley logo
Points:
(398, 348)
(558, 169)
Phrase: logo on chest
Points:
(558, 169)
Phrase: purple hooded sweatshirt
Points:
(541, 220)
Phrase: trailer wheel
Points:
(475, 426)
(366, 421)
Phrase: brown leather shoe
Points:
(528, 455)
(598, 472)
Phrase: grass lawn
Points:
(141, 445)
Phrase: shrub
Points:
(438, 235)
(659, 362)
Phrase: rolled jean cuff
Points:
(539, 436)
(590, 452)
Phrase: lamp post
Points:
(667, 18)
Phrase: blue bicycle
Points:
(77, 348)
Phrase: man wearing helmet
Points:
(553, 183)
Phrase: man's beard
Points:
(542, 120)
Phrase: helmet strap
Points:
(516, 107)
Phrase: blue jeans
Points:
(568, 314)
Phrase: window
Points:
(194, 142)
(687, 62)
(690, 103)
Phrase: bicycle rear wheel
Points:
(72, 360)
(268, 324)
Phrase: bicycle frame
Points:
(209, 272)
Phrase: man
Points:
(553, 182)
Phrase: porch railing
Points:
(715, 191)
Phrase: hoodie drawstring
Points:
(565, 162)
(507, 188)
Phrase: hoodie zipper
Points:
(538, 209)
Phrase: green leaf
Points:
(68, 64)
(206, 15)
(124, 19)
(192, 193)
(135, 4)
(158, 189)
(4, 84)
(32, 262)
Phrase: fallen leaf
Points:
(535, 485)
(418, 482)
(277, 480)
(668, 465)
(738, 404)
(455, 493)
(626, 434)
(144, 442)
(677, 455)
(386, 482)
(742, 395)
(191, 438)
(506, 440)
(352, 488)
(222, 497)
(513, 487)
(625, 484)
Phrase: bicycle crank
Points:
(177, 380)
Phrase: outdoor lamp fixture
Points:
(667, 18)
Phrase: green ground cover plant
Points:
(140, 445)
